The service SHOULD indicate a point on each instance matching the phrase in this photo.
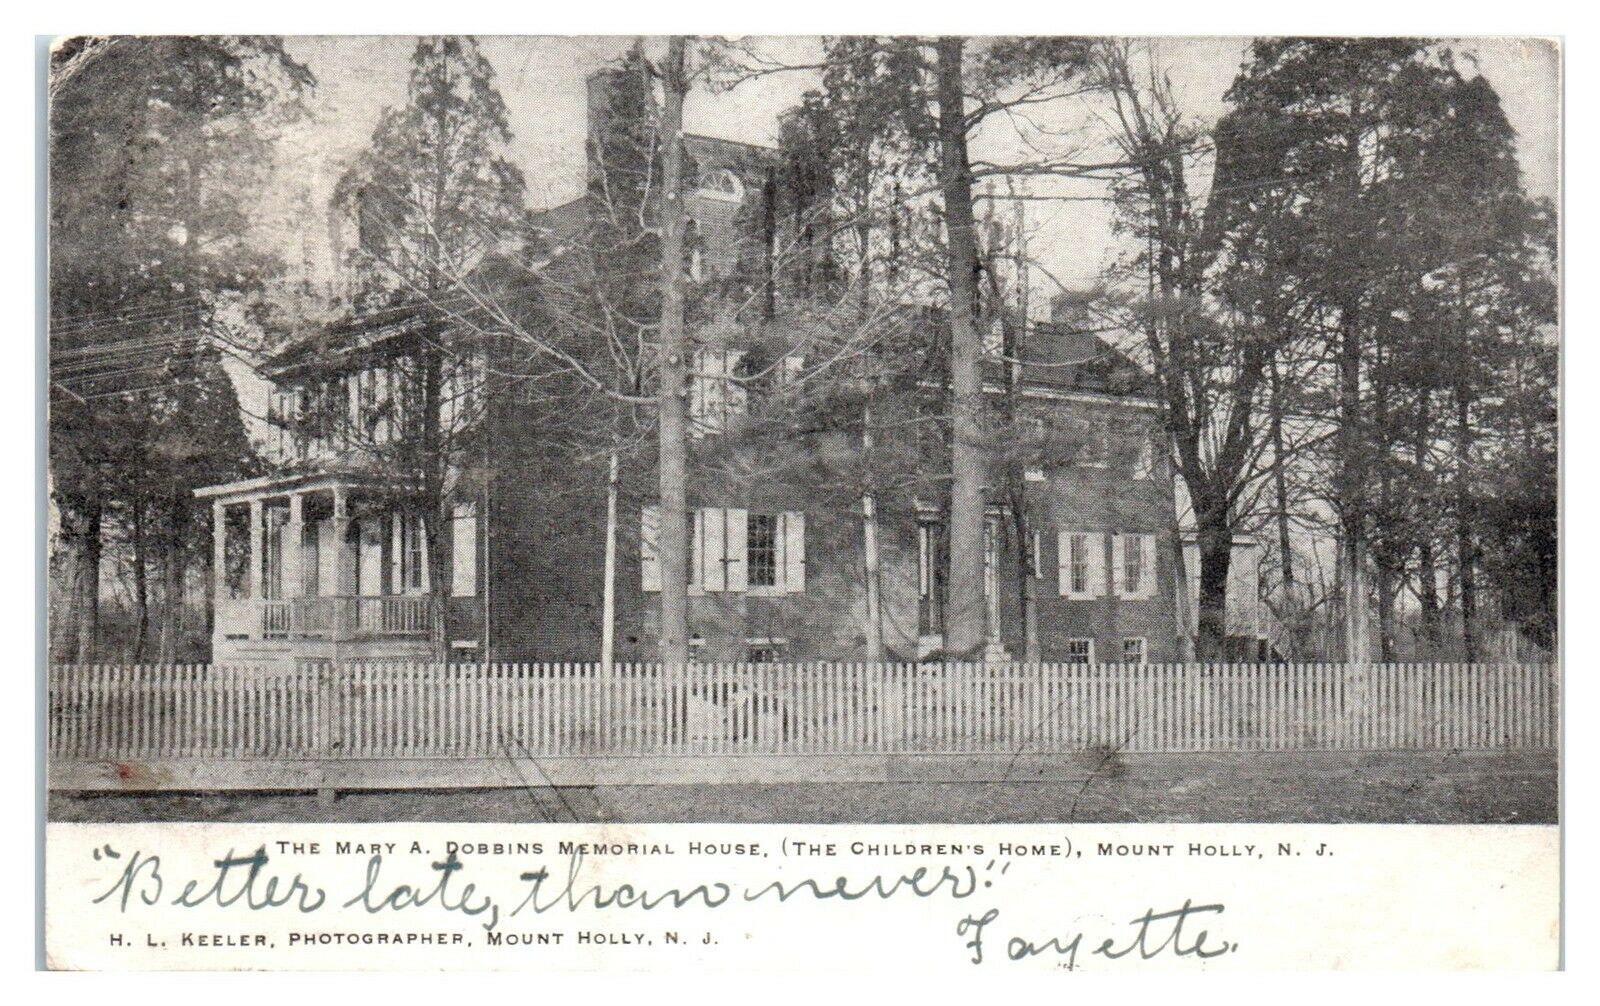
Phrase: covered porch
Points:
(306, 561)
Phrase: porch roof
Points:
(308, 481)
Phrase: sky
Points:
(542, 78)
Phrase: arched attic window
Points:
(721, 184)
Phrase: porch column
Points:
(256, 533)
(991, 579)
(293, 547)
(341, 543)
(219, 551)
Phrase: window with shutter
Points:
(1144, 458)
(1095, 445)
(736, 394)
(413, 555)
(699, 398)
(1129, 568)
(1082, 565)
(715, 390)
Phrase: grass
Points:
(1388, 787)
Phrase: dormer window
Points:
(721, 184)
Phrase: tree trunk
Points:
(673, 535)
(1182, 617)
(964, 617)
(172, 575)
(1350, 483)
(1214, 538)
(141, 583)
(608, 595)
(436, 515)
(1280, 491)
(874, 599)
(87, 601)
(1388, 588)
(1428, 596)
(869, 546)
(1427, 568)
(1466, 541)
(1027, 585)
(1357, 640)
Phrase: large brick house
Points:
(326, 556)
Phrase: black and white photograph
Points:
(868, 430)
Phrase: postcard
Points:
(839, 503)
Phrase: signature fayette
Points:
(1153, 934)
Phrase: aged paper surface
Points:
(677, 898)
(675, 502)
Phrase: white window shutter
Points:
(1096, 543)
(397, 583)
(714, 577)
(794, 552)
(464, 552)
(738, 397)
(1147, 566)
(649, 556)
(1118, 549)
(1064, 561)
(738, 547)
(695, 561)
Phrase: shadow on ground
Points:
(1394, 787)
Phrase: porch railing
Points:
(333, 617)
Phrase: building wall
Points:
(828, 620)
(1110, 500)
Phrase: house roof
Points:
(330, 345)
(1071, 358)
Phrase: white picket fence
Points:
(176, 714)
